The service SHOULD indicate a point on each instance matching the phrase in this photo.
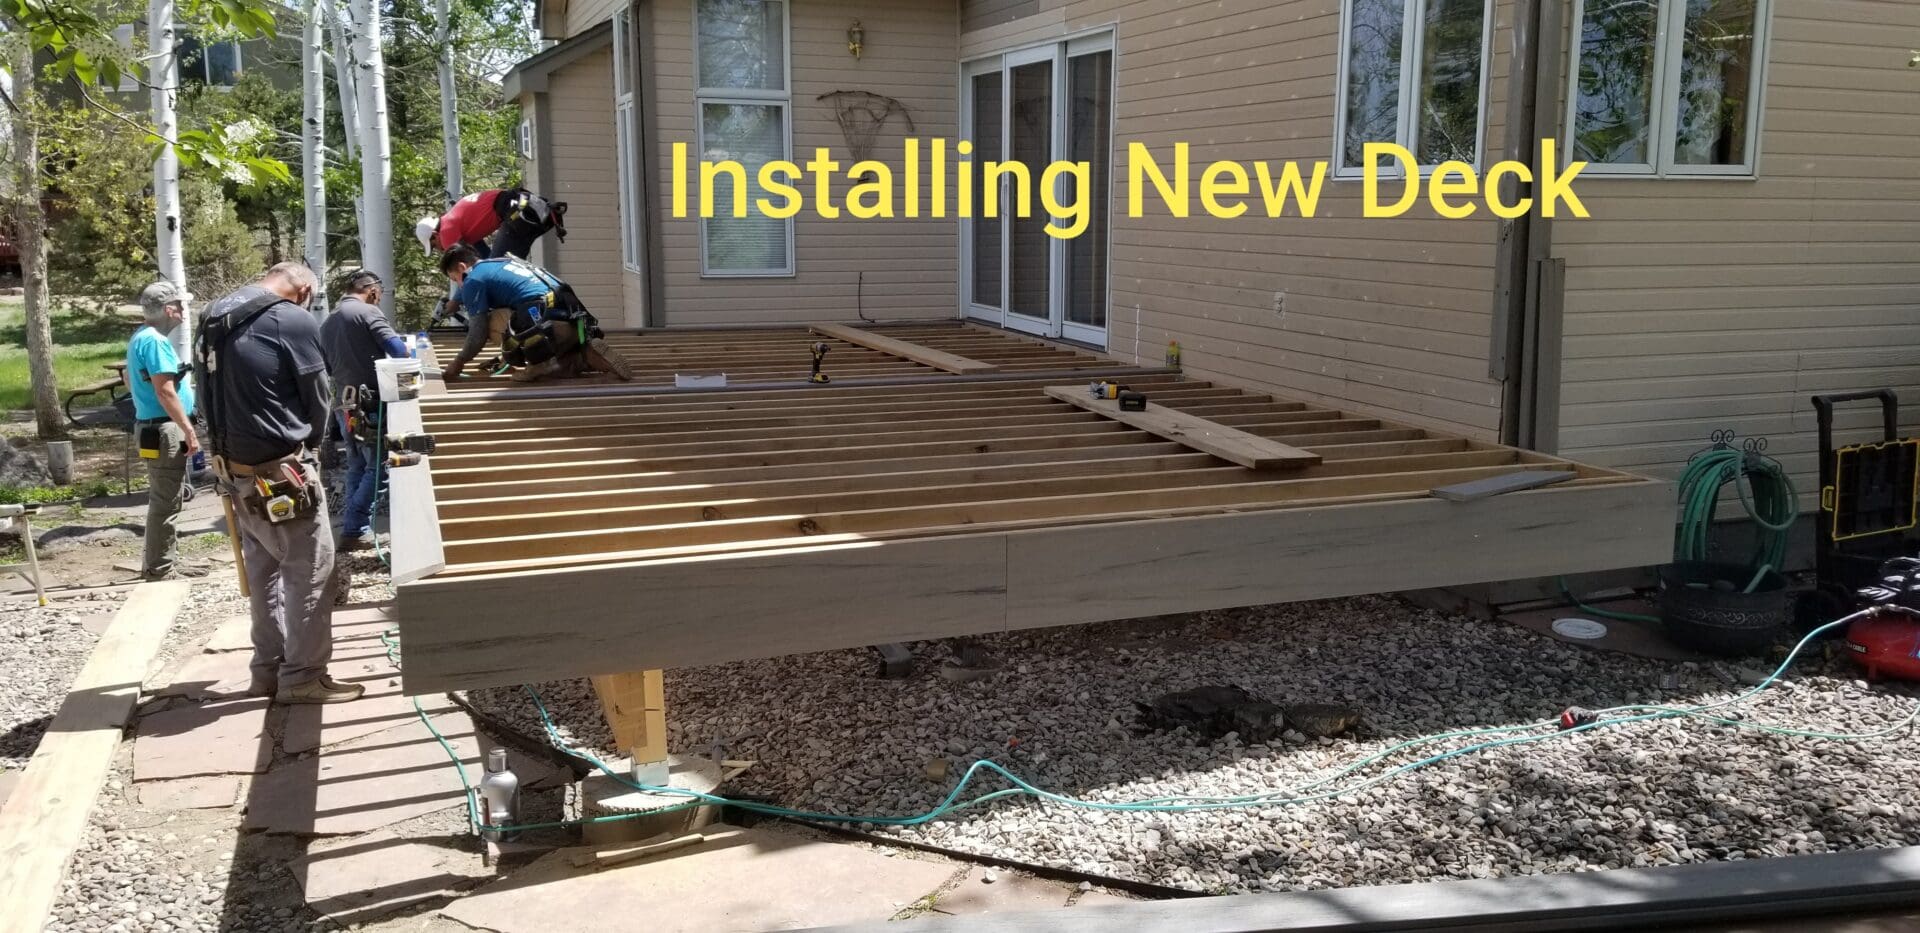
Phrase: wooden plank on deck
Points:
(1230, 444)
(926, 356)
(45, 817)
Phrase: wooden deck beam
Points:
(931, 586)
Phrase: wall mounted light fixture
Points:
(856, 39)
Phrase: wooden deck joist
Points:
(666, 529)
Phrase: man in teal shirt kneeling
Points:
(163, 405)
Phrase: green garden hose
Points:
(1767, 494)
(1769, 499)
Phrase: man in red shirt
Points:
(513, 217)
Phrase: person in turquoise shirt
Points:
(163, 407)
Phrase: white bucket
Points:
(399, 379)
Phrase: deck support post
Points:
(635, 704)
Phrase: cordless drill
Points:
(820, 349)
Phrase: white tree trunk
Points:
(449, 105)
(30, 230)
(376, 156)
(313, 136)
(165, 78)
(343, 76)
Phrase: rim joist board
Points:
(785, 355)
(670, 529)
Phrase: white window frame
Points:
(1664, 110)
(782, 98)
(1413, 35)
(626, 146)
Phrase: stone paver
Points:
(209, 675)
(367, 783)
(739, 879)
(97, 623)
(223, 737)
(232, 635)
(361, 878)
(202, 793)
(1008, 892)
(382, 707)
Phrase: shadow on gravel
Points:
(24, 737)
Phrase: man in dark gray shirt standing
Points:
(266, 400)
(355, 336)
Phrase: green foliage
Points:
(89, 340)
(101, 237)
(79, 38)
(220, 252)
(42, 495)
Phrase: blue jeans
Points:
(356, 518)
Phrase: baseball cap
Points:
(424, 230)
(163, 293)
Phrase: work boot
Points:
(608, 360)
(536, 372)
(323, 689)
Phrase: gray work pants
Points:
(290, 571)
(166, 486)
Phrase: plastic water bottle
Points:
(500, 788)
(421, 344)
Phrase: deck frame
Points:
(933, 506)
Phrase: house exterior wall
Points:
(909, 267)
(577, 113)
(582, 15)
(1693, 306)
(1391, 314)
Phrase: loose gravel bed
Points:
(41, 650)
(830, 736)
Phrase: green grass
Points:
(84, 342)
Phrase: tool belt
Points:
(150, 437)
(360, 406)
(279, 491)
(532, 331)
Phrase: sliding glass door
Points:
(1033, 107)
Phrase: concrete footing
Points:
(601, 795)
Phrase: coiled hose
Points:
(1767, 495)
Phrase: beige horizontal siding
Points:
(585, 14)
(1391, 315)
(885, 269)
(579, 117)
(1694, 306)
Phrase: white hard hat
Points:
(425, 230)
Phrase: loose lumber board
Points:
(1230, 444)
(45, 817)
(938, 359)
(1499, 485)
(414, 523)
(719, 607)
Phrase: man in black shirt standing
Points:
(356, 336)
(266, 401)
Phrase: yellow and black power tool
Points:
(820, 349)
